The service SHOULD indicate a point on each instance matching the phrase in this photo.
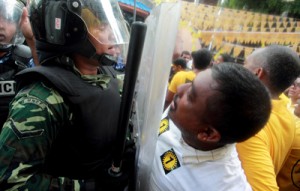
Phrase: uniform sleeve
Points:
(25, 139)
(257, 163)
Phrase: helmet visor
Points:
(103, 19)
(10, 15)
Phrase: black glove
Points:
(126, 179)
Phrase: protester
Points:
(201, 60)
(186, 55)
(196, 142)
(263, 155)
(188, 58)
(62, 124)
(288, 178)
(223, 58)
(178, 65)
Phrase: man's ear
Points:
(209, 134)
(259, 73)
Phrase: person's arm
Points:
(172, 89)
(168, 99)
(26, 138)
(28, 34)
(257, 163)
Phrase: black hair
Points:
(281, 64)
(180, 62)
(241, 105)
(185, 52)
(226, 57)
(201, 58)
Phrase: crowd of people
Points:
(225, 126)
(270, 157)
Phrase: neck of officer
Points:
(85, 65)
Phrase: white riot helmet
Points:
(10, 17)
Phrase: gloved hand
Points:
(126, 179)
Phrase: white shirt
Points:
(179, 167)
(189, 64)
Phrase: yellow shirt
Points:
(180, 78)
(288, 178)
(264, 154)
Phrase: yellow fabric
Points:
(180, 78)
(264, 154)
(288, 178)
(285, 99)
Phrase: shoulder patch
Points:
(27, 132)
(7, 88)
(169, 161)
(164, 126)
(35, 101)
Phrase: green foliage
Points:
(276, 7)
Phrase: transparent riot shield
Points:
(152, 82)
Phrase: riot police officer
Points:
(62, 123)
(13, 55)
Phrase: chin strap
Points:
(47, 51)
(5, 48)
(90, 52)
(105, 59)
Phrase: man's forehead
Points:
(204, 85)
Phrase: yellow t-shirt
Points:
(180, 78)
(285, 98)
(264, 154)
(288, 178)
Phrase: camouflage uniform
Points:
(36, 115)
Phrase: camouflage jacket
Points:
(36, 114)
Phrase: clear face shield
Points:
(105, 24)
(69, 22)
(10, 16)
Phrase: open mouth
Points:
(2, 37)
(111, 50)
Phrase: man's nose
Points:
(111, 36)
(1, 22)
